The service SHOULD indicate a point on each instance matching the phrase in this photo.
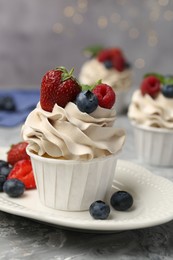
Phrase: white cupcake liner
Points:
(72, 185)
(154, 146)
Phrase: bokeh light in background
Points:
(38, 35)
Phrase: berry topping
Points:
(22, 170)
(105, 94)
(121, 200)
(99, 210)
(108, 64)
(128, 65)
(151, 86)
(7, 103)
(58, 87)
(17, 152)
(115, 56)
(167, 91)
(86, 101)
(14, 188)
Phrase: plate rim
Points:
(9, 205)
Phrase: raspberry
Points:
(115, 56)
(104, 55)
(150, 86)
(105, 94)
(118, 62)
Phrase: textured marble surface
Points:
(22, 238)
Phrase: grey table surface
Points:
(22, 238)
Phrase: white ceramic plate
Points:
(153, 203)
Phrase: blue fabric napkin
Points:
(25, 101)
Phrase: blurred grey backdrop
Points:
(38, 35)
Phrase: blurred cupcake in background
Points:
(110, 65)
(151, 114)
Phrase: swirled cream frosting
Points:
(154, 112)
(93, 70)
(69, 133)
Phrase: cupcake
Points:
(151, 114)
(112, 67)
(73, 143)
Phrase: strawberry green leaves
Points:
(165, 80)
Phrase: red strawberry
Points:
(105, 94)
(58, 87)
(22, 171)
(17, 152)
(150, 86)
(114, 55)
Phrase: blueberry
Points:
(5, 170)
(14, 187)
(167, 91)
(87, 101)
(7, 103)
(121, 200)
(3, 163)
(2, 180)
(99, 210)
(108, 64)
(127, 65)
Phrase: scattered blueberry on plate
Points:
(121, 200)
(14, 188)
(2, 181)
(3, 163)
(99, 210)
(5, 169)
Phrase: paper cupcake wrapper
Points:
(154, 146)
(72, 185)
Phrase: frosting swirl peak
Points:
(71, 134)
(154, 112)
